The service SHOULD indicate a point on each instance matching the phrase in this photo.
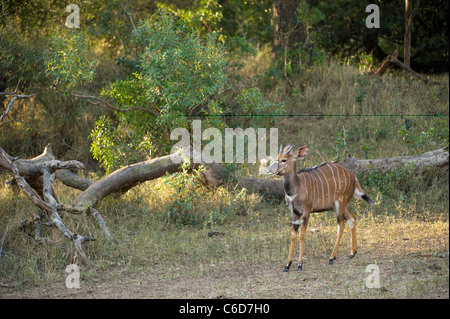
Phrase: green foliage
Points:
(110, 147)
(178, 68)
(436, 136)
(253, 103)
(345, 32)
(309, 52)
(340, 144)
(20, 63)
(396, 183)
(366, 148)
(201, 15)
(246, 24)
(190, 204)
(184, 198)
(67, 61)
(364, 61)
(179, 73)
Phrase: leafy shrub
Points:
(179, 73)
(67, 62)
(252, 102)
(437, 135)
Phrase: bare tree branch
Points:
(393, 59)
(49, 204)
(11, 103)
(129, 14)
(109, 105)
(103, 102)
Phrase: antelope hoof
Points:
(331, 260)
(286, 267)
(299, 267)
(352, 255)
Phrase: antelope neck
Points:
(290, 181)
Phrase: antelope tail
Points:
(359, 192)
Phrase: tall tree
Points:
(287, 30)
(409, 15)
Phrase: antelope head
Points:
(285, 160)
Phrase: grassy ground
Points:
(163, 248)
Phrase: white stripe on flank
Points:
(323, 198)
(339, 179)
(345, 180)
(335, 186)
(328, 185)
(313, 188)
(349, 181)
(306, 188)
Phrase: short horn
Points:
(281, 148)
(291, 146)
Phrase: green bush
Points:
(179, 74)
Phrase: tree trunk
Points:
(409, 16)
(407, 36)
(131, 175)
(437, 159)
(286, 32)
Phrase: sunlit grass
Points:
(159, 232)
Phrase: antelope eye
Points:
(283, 160)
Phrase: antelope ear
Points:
(301, 152)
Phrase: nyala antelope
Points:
(321, 188)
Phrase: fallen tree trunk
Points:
(434, 159)
(214, 175)
(43, 169)
(131, 175)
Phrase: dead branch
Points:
(73, 180)
(393, 59)
(105, 103)
(11, 103)
(129, 15)
(49, 203)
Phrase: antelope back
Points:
(327, 183)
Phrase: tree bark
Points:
(407, 35)
(131, 175)
(286, 32)
(409, 16)
(437, 159)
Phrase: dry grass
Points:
(164, 250)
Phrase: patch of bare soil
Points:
(412, 276)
